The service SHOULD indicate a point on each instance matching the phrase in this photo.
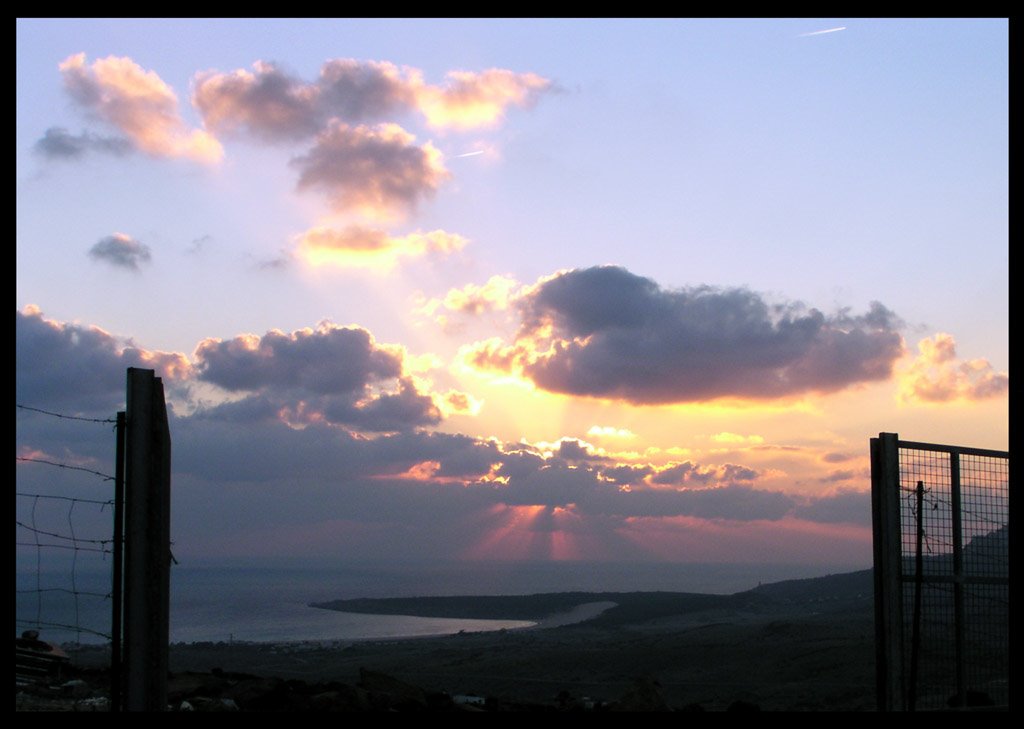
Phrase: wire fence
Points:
(64, 518)
(954, 533)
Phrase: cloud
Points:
(273, 105)
(936, 375)
(367, 90)
(627, 474)
(58, 143)
(358, 246)
(286, 455)
(329, 359)
(836, 457)
(337, 375)
(139, 104)
(277, 263)
(265, 102)
(462, 403)
(845, 505)
(737, 439)
(733, 502)
(372, 170)
(607, 431)
(498, 294)
(198, 245)
(73, 368)
(469, 100)
(605, 332)
(838, 475)
(120, 249)
(687, 472)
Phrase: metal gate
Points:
(941, 554)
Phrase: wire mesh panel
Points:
(951, 569)
(64, 513)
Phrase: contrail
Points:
(820, 32)
(470, 154)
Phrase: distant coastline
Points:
(608, 609)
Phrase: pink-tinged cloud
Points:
(121, 250)
(844, 505)
(378, 171)
(836, 457)
(605, 332)
(273, 105)
(788, 540)
(936, 375)
(361, 246)
(469, 100)
(139, 104)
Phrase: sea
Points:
(270, 603)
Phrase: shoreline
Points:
(578, 614)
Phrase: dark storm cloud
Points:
(73, 368)
(371, 169)
(626, 475)
(338, 373)
(58, 143)
(269, 451)
(732, 472)
(618, 335)
(388, 411)
(327, 360)
(121, 250)
(679, 473)
(571, 449)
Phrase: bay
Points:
(270, 602)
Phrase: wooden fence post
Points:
(147, 544)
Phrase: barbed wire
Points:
(99, 550)
(108, 502)
(88, 593)
(27, 459)
(66, 417)
(72, 538)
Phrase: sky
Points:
(499, 290)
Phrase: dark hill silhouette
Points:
(832, 592)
